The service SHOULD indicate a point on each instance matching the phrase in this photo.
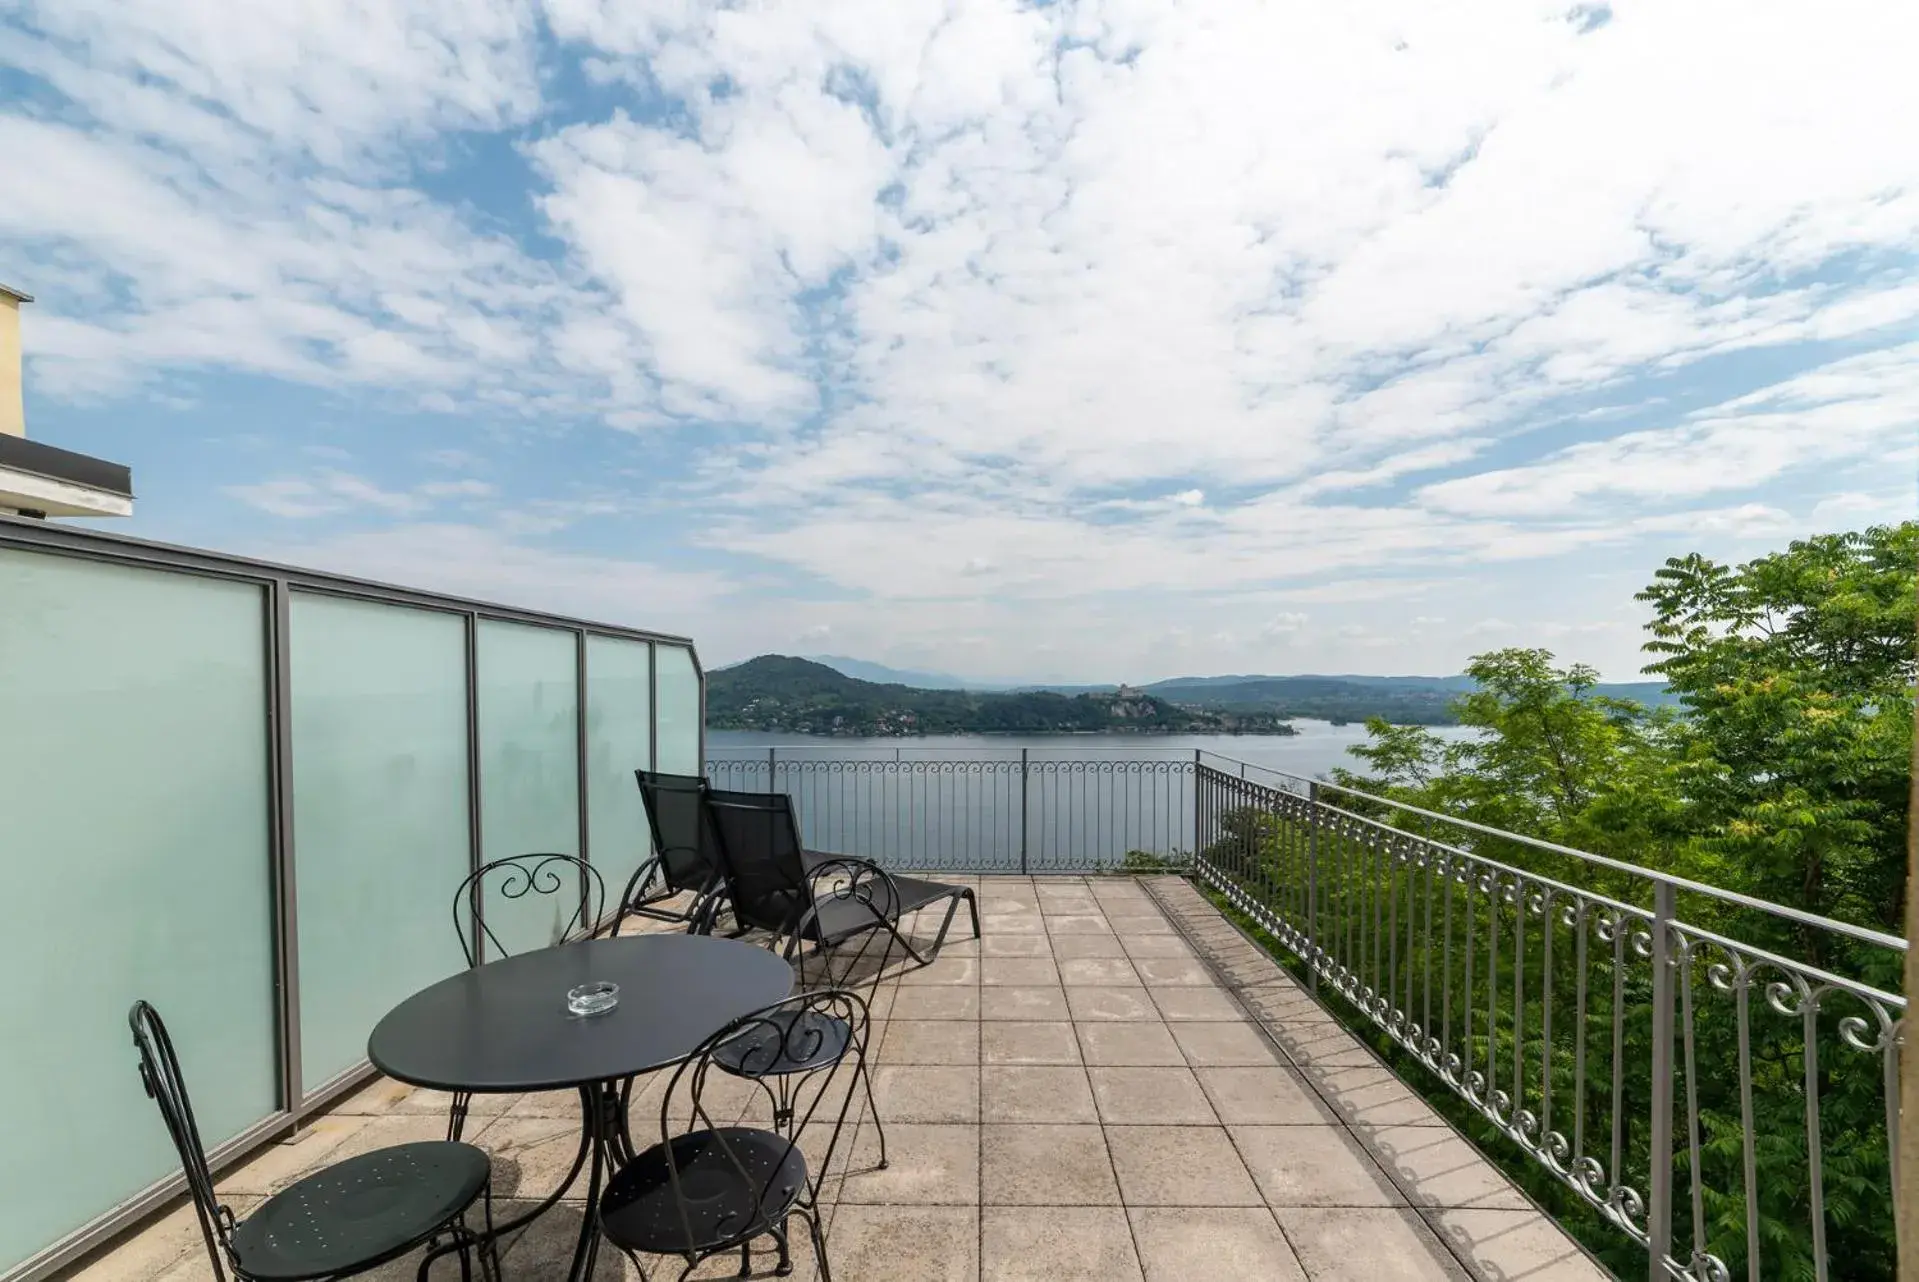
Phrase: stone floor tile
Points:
(1366, 1244)
(159, 1246)
(1262, 1095)
(947, 970)
(1242, 964)
(1033, 1094)
(1091, 1005)
(1437, 1168)
(1325, 1044)
(1029, 923)
(925, 1165)
(1150, 1097)
(381, 1095)
(298, 1155)
(1370, 1097)
(1056, 1244)
(1211, 1044)
(930, 1041)
(544, 1250)
(1036, 945)
(1312, 1166)
(1069, 947)
(1028, 1042)
(1077, 924)
(1107, 972)
(437, 1104)
(1155, 945)
(1184, 1243)
(531, 1155)
(1128, 1044)
(1501, 1245)
(1045, 1166)
(926, 1093)
(1189, 1005)
(546, 1104)
(1012, 1002)
(1179, 1166)
(1281, 1007)
(382, 1132)
(934, 1001)
(1154, 925)
(1159, 972)
(1023, 972)
(905, 1243)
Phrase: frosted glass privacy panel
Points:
(133, 814)
(679, 696)
(619, 730)
(379, 811)
(529, 770)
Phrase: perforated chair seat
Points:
(365, 1210)
(725, 1199)
(786, 1042)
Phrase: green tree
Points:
(1785, 775)
(1797, 674)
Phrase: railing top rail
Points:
(1864, 934)
(102, 545)
(760, 750)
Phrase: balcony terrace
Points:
(1112, 1083)
(259, 786)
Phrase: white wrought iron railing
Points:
(1714, 1075)
(1590, 1013)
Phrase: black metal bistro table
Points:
(504, 1027)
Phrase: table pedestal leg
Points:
(592, 1130)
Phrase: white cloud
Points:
(983, 314)
(332, 493)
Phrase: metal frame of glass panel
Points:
(299, 1099)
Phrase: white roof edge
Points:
(15, 294)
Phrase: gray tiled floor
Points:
(1111, 1084)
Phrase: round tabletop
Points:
(504, 1026)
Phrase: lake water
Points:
(1316, 749)
(1006, 802)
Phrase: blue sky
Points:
(1079, 341)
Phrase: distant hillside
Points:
(1344, 697)
(1403, 700)
(780, 693)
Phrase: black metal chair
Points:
(344, 1220)
(517, 876)
(683, 860)
(513, 878)
(769, 877)
(720, 1185)
(763, 1054)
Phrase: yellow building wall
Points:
(13, 415)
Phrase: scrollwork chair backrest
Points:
(567, 878)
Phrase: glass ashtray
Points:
(596, 998)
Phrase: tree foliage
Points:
(1784, 774)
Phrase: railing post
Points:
(770, 752)
(1199, 817)
(1312, 887)
(1022, 812)
(1659, 1191)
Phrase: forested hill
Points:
(781, 693)
(1426, 701)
